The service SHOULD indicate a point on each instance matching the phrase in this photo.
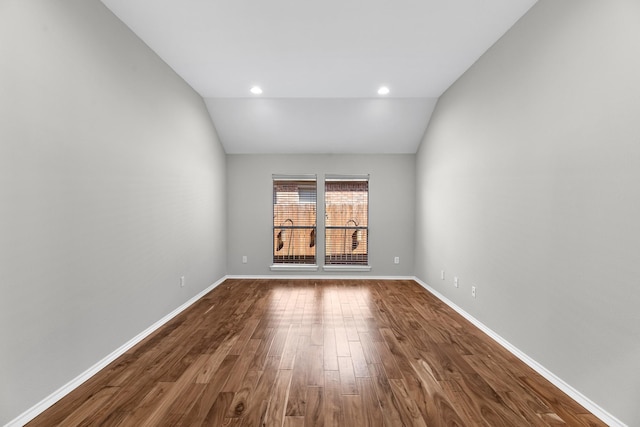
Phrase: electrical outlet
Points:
(244, 259)
(182, 281)
(442, 274)
(473, 291)
(396, 260)
(455, 282)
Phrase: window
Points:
(347, 220)
(294, 220)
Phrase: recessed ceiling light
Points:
(383, 90)
(256, 90)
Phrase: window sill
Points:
(346, 268)
(294, 267)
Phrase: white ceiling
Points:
(320, 64)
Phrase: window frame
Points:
(279, 262)
(347, 264)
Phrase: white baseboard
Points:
(550, 376)
(319, 277)
(41, 406)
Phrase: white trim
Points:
(550, 376)
(48, 401)
(293, 267)
(346, 268)
(319, 277)
(338, 177)
(303, 177)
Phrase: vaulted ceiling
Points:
(320, 64)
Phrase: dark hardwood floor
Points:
(317, 353)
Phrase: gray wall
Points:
(112, 186)
(391, 208)
(528, 186)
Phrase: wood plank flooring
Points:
(302, 353)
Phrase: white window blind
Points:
(294, 220)
(347, 220)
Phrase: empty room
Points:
(336, 213)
